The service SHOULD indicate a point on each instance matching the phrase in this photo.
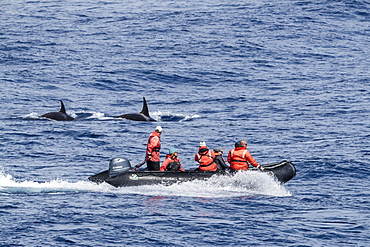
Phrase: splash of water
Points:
(242, 184)
(168, 116)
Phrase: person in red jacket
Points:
(239, 158)
(172, 162)
(205, 157)
(153, 149)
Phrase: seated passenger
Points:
(171, 163)
(239, 158)
(219, 160)
(205, 158)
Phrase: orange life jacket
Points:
(154, 146)
(239, 158)
(171, 164)
(205, 159)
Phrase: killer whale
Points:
(61, 115)
(141, 116)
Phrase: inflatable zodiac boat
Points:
(120, 173)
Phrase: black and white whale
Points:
(141, 116)
(61, 115)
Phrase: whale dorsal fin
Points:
(62, 108)
(145, 110)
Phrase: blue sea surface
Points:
(289, 76)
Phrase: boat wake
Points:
(9, 185)
(242, 184)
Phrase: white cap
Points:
(158, 129)
(202, 144)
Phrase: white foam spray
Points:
(242, 184)
(172, 117)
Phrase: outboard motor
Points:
(118, 165)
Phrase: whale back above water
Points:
(61, 115)
(141, 116)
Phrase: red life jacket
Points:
(154, 146)
(205, 158)
(239, 158)
(171, 164)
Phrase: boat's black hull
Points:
(282, 171)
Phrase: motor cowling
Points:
(118, 166)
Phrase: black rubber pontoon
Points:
(120, 174)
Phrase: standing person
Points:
(239, 157)
(153, 148)
(172, 162)
(205, 158)
(219, 160)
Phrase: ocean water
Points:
(290, 77)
